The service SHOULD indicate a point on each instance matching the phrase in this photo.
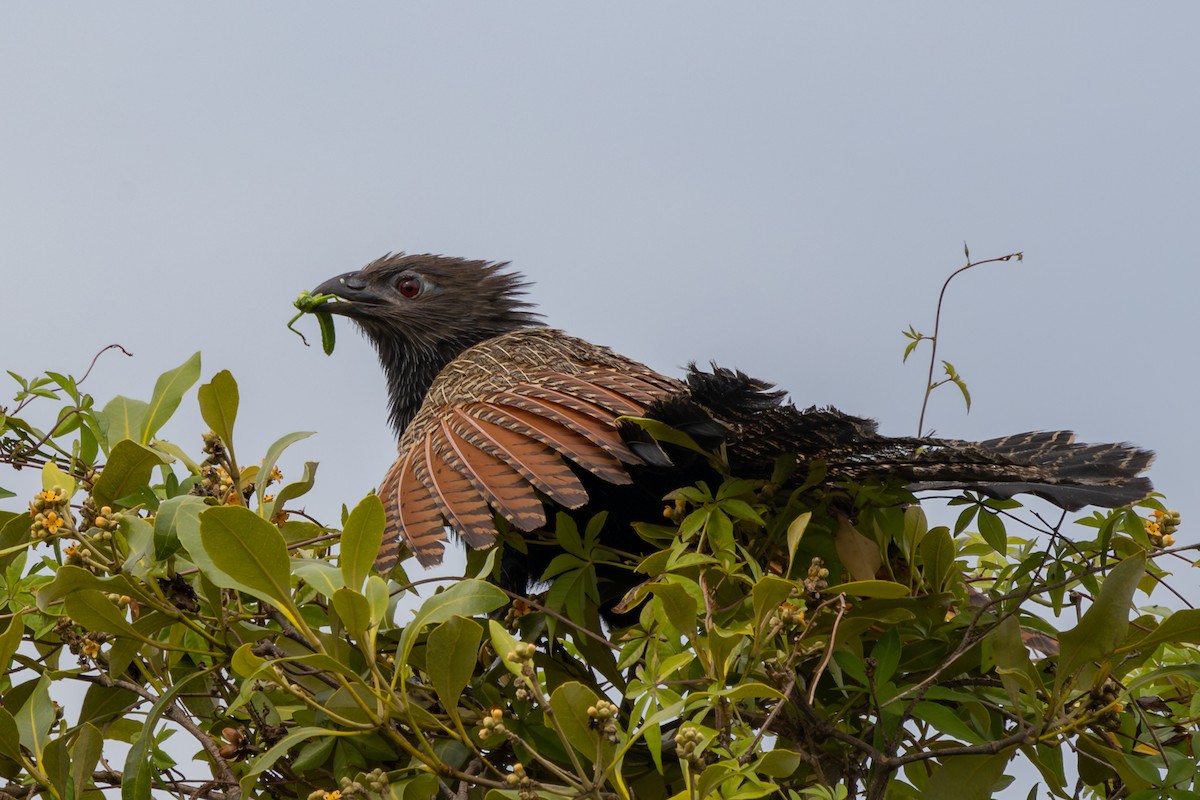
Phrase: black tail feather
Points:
(1046, 464)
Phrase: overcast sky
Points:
(781, 187)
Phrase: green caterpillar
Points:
(309, 303)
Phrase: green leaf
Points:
(795, 533)
(53, 477)
(127, 472)
(859, 554)
(10, 737)
(69, 579)
(663, 432)
(719, 531)
(569, 704)
(245, 552)
(464, 599)
(168, 391)
(426, 785)
(884, 590)
(937, 555)
(991, 528)
(742, 510)
(916, 528)
(453, 647)
(14, 537)
(680, 607)
(140, 535)
(219, 405)
(361, 537)
(174, 515)
(712, 777)
(886, 653)
(104, 703)
(177, 452)
(35, 717)
(1098, 753)
(10, 640)
(294, 489)
(354, 611)
(85, 754)
(140, 768)
(1103, 627)
(123, 418)
(272, 458)
(504, 643)
(967, 777)
(946, 721)
(744, 691)
(779, 763)
(282, 748)
(965, 517)
(1015, 669)
(56, 764)
(1182, 627)
(768, 594)
(378, 598)
(94, 611)
(321, 575)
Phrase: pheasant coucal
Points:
(497, 413)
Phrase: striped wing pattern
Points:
(507, 453)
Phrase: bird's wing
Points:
(505, 451)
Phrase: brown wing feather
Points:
(464, 460)
(389, 551)
(601, 431)
(641, 391)
(580, 449)
(419, 515)
(579, 386)
(571, 401)
(498, 484)
(540, 464)
(458, 500)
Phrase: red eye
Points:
(410, 287)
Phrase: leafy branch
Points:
(915, 337)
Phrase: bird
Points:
(499, 415)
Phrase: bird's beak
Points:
(352, 288)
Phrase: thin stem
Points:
(937, 323)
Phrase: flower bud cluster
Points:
(214, 447)
(97, 538)
(373, 782)
(85, 646)
(1104, 699)
(1161, 527)
(815, 582)
(51, 514)
(790, 614)
(517, 609)
(215, 482)
(675, 513)
(603, 717)
(493, 723)
(687, 743)
(526, 786)
(523, 654)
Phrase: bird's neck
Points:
(411, 365)
(410, 370)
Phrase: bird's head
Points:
(422, 311)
